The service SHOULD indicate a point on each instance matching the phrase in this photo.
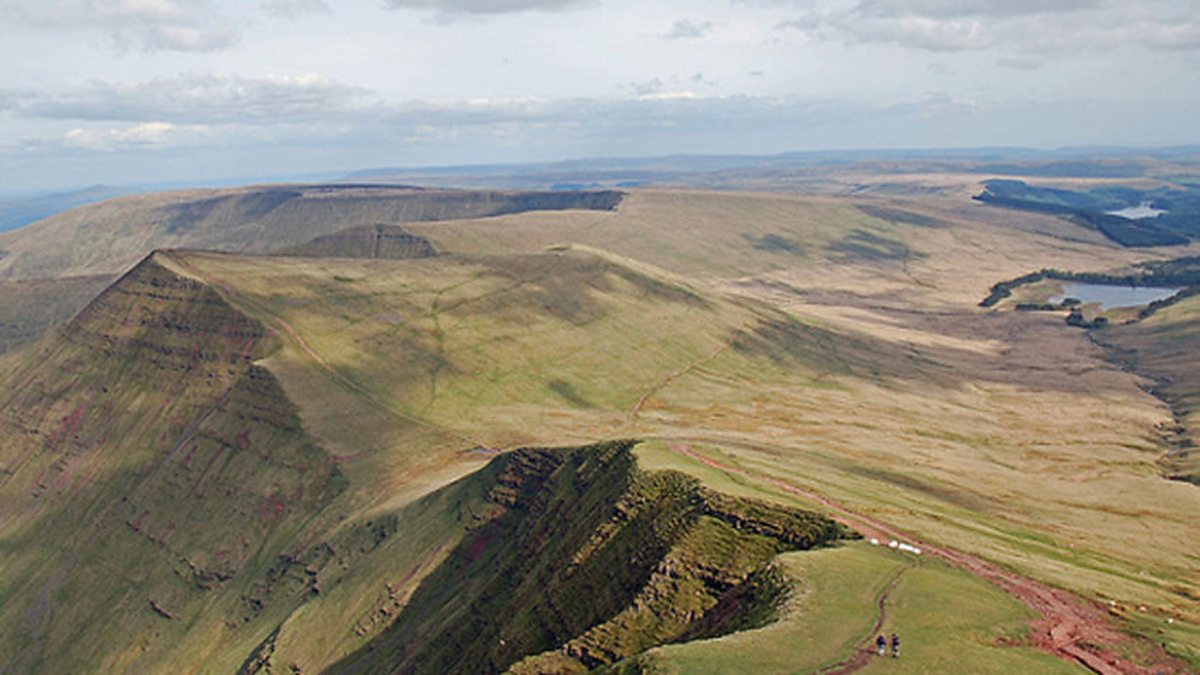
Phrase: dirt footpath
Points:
(1069, 627)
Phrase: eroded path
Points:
(864, 651)
(1068, 626)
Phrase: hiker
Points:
(881, 644)
(895, 646)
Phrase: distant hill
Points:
(368, 241)
(1177, 223)
(20, 211)
(110, 236)
(807, 170)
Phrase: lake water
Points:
(1143, 210)
(1111, 297)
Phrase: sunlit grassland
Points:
(1006, 435)
(1087, 512)
(948, 621)
(402, 367)
(822, 244)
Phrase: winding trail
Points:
(1068, 626)
(864, 651)
(631, 416)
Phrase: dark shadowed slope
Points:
(29, 308)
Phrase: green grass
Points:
(948, 620)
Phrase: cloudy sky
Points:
(122, 91)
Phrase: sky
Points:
(135, 91)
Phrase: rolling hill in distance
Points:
(672, 428)
(55, 265)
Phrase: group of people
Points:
(881, 644)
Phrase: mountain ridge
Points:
(109, 236)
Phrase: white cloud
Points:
(1021, 62)
(291, 9)
(648, 87)
(201, 99)
(150, 25)
(453, 7)
(1028, 29)
(688, 30)
(150, 134)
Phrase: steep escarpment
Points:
(371, 241)
(147, 468)
(580, 559)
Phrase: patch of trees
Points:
(1077, 319)
(1004, 289)
(1129, 233)
(1167, 302)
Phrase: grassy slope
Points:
(822, 243)
(587, 560)
(907, 402)
(484, 345)
(948, 621)
(60, 263)
(127, 434)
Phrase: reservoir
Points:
(1112, 297)
(1143, 210)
